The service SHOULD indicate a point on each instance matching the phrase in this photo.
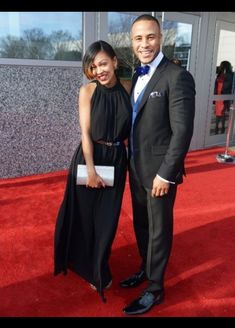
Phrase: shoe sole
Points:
(146, 310)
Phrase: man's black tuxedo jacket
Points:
(163, 127)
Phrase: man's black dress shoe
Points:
(144, 303)
(134, 280)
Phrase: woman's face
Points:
(103, 69)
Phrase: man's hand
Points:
(160, 187)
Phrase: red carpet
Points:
(200, 275)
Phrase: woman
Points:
(88, 217)
(223, 85)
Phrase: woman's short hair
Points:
(226, 66)
(91, 53)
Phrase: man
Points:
(163, 113)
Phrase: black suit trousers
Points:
(153, 225)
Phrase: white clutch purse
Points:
(106, 173)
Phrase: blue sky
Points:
(15, 23)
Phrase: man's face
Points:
(146, 40)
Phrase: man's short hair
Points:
(146, 17)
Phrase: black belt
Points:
(108, 143)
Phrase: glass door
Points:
(180, 35)
(180, 32)
(222, 96)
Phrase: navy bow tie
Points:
(142, 70)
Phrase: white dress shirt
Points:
(144, 79)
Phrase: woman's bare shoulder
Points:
(87, 89)
(126, 84)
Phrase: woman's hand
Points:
(94, 181)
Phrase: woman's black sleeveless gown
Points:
(88, 217)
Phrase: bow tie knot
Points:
(142, 70)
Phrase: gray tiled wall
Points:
(39, 127)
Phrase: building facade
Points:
(41, 73)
